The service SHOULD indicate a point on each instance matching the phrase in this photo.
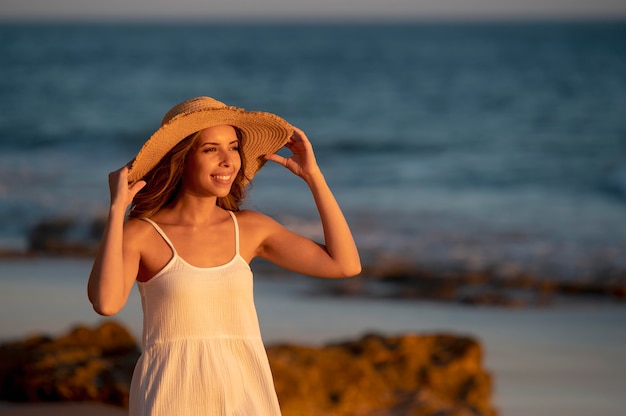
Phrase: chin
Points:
(223, 194)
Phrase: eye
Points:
(209, 149)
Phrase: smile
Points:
(222, 177)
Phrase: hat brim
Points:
(263, 133)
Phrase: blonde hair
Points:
(164, 181)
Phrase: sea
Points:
(463, 145)
(469, 144)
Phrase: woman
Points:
(188, 247)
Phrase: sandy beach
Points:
(561, 360)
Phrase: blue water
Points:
(463, 145)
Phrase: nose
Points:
(228, 158)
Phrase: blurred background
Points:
(478, 141)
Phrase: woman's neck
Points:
(191, 210)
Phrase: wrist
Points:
(312, 177)
(117, 209)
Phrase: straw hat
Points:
(263, 133)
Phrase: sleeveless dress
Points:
(202, 353)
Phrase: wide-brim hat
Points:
(263, 133)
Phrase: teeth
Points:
(222, 177)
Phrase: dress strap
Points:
(234, 217)
(167, 240)
(161, 233)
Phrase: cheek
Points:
(190, 165)
(238, 161)
(193, 170)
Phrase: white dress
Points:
(202, 352)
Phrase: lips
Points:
(222, 179)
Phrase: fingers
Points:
(299, 140)
(137, 186)
(298, 135)
(277, 159)
(302, 159)
(297, 131)
(123, 171)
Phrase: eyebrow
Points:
(217, 144)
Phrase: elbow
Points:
(103, 305)
(355, 271)
(105, 310)
(351, 271)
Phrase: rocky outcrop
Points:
(65, 236)
(398, 280)
(84, 365)
(409, 375)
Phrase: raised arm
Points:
(338, 256)
(117, 260)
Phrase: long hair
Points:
(164, 181)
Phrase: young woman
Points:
(188, 246)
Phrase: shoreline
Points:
(412, 272)
(396, 280)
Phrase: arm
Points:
(117, 260)
(339, 256)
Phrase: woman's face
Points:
(213, 162)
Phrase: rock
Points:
(65, 237)
(84, 365)
(409, 375)
(506, 285)
(414, 375)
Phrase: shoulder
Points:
(251, 215)
(250, 219)
(137, 231)
(258, 227)
(136, 225)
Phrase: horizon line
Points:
(318, 19)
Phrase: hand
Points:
(121, 193)
(302, 162)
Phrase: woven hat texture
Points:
(263, 133)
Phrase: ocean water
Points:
(453, 144)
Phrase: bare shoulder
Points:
(255, 220)
(137, 231)
(136, 225)
(256, 228)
